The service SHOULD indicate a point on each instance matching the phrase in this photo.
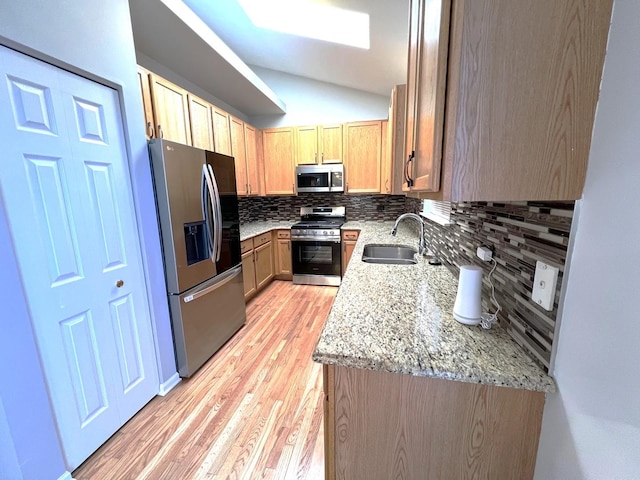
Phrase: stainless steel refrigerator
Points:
(198, 213)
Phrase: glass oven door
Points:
(316, 257)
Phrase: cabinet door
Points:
(248, 274)
(330, 143)
(221, 131)
(253, 170)
(283, 257)
(170, 110)
(279, 168)
(396, 137)
(239, 153)
(426, 91)
(347, 250)
(385, 172)
(201, 123)
(362, 156)
(264, 264)
(307, 146)
(145, 93)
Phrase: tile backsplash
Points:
(359, 207)
(521, 233)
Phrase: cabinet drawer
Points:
(350, 234)
(261, 239)
(284, 234)
(246, 245)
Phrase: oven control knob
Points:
(325, 232)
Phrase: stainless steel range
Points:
(315, 246)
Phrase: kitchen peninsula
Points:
(410, 392)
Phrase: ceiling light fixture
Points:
(305, 18)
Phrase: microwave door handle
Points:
(206, 202)
(218, 210)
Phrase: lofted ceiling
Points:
(161, 33)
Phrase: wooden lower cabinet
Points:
(381, 425)
(264, 264)
(257, 263)
(249, 275)
(349, 239)
(282, 241)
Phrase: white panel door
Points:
(65, 184)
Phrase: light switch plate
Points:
(544, 285)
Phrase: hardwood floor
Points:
(253, 411)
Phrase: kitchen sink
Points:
(389, 254)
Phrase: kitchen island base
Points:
(381, 425)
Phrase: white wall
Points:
(93, 39)
(311, 102)
(591, 427)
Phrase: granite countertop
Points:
(251, 229)
(398, 318)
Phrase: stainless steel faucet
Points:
(422, 246)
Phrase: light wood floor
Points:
(253, 411)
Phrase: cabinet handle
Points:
(150, 129)
(406, 169)
(248, 187)
(386, 185)
(160, 131)
(322, 157)
(346, 187)
(315, 157)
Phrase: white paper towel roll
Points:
(468, 306)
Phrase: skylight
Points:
(305, 18)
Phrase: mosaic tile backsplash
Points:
(521, 233)
(359, 207)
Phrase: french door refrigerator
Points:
(200, 229)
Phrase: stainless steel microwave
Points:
(320, 178)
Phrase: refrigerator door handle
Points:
(207, 188)
(218, 210)
(233, 273)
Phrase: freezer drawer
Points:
(205, 317)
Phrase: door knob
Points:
(119, 283)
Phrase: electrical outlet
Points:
(544, 285)
(484, 253)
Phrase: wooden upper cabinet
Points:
(522, 86)
(330, 143)
(221, 131)
(239, 153)
(147, 105)
(307, 145)
(395, 141)
(318, 144)
(278, 158)
(385, 164)
(201, 123)
(426, 85)
(170, 110)
(253, 167)
(362, 156)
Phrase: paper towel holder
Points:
(467, 308)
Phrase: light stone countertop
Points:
(251, 229)
(398, 318)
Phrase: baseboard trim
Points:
(65, 476)
(166, 387)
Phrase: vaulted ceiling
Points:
(168, 32)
